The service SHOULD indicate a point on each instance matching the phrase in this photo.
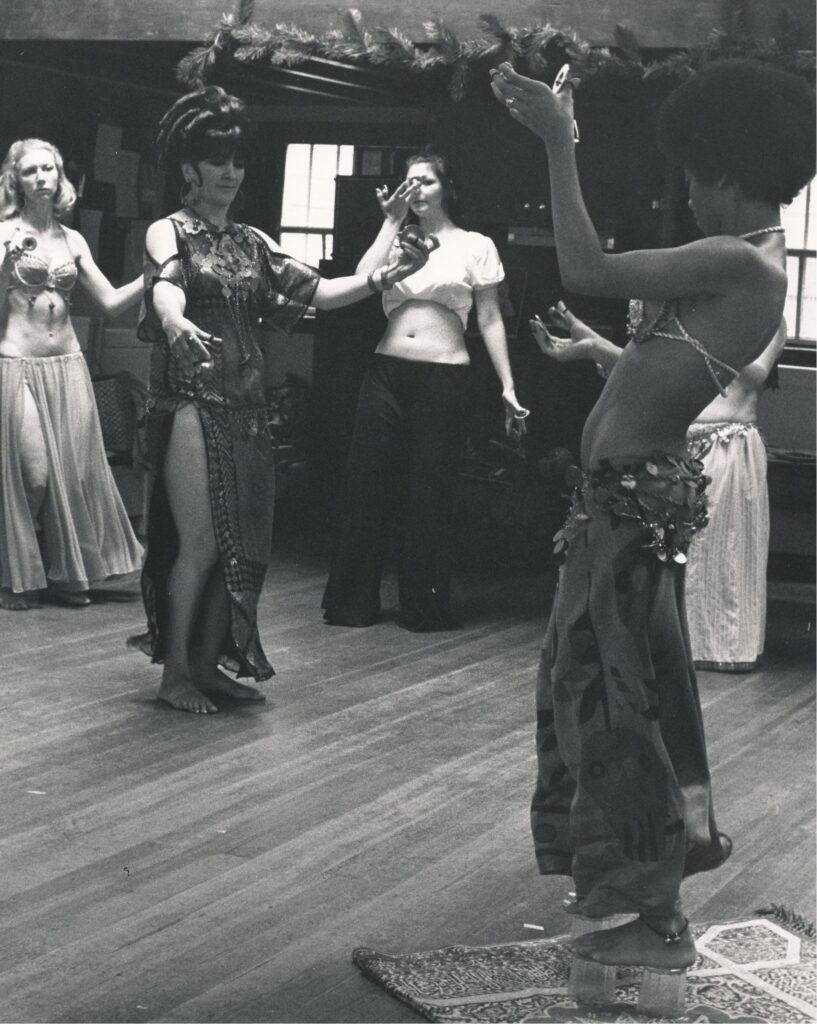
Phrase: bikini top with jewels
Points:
(31, 272)
(639, 332)
(465, 262)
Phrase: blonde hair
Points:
(12, 199)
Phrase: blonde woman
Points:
(62, 522)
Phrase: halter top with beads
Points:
(31, 273)
(642, 331)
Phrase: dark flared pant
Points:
(623, 801)
(409, 415)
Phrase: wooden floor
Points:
(157, 866)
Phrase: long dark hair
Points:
(440, 163)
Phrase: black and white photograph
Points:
(407, 512)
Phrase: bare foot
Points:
(216, 682)
(635, 944)
(13, 602)
(181, 694)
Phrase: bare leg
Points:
(34, 466)
(215, 622)
(185, 478)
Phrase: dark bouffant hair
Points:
(746, 120)
(439, 162)
(204, 125)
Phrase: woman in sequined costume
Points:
(623, 800)
(62, 522)
(210, 284)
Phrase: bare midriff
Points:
(653, 394)
(33, 330)
(426, 332)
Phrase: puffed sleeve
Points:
(485, 268)
(176, 270)
(290, 288)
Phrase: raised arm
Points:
(332, 293)
(710, 265)
(394, 209)
(112, 301)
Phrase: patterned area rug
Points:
(759, 970)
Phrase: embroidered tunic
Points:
(234, 284)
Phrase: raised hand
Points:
(580, 345)
(407, 258)
(546, 113)
(396, 206)
(20, 242)
(190, 345)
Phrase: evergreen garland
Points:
(537, 51)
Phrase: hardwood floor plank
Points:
(162, 866)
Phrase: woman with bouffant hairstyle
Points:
(211, 284)
(62, 521)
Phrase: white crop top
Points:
(465, 262)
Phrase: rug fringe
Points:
(788, 917)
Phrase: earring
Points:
(187, 193)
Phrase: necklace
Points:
(204, 220)
(764, 231)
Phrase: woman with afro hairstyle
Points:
(623, 799)
(62, 522)
(211, 283)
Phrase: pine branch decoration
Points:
(245, 11)
(627, 43)
(537, 50)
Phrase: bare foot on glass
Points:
(637, 944)
(179, 692)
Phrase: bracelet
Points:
(370, 281)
